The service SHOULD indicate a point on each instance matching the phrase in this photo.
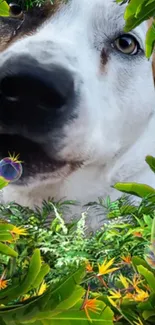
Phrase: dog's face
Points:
(74, 91)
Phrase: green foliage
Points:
(65, 247)
(54, 288)
(131, 298)
(25, 297)
(58, 303)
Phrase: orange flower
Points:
(126, 259)
(3, 283)
(90, 304)
(139, 296)
(137, 234)
(129, 296)
(89, 267)
(136, 281)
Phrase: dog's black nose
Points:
(33, 93)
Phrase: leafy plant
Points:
(58, 303)
(105, 277)
(25, 297)
(69, 293)
(132, 298)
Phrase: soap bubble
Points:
(10, 169)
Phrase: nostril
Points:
(9, 87)
(50, 88)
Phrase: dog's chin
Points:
(36, 162)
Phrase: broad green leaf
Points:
(6, 226)
(27, 283)
(132, 22)
(5, 236)
(76, 316)
(6, 250)
(46, 303)
(140, 190)
(132, 8)
(105, 316)
(148, 220)
(65, 289)
(140, 8)
(65, 305)
(137, 261)
(40, 277)
(151, 160)
(4, 9)
(149, 277)
(148, 313)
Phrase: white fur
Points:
(114, 130)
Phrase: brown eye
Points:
(15, 10)
(127, 44)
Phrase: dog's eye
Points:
(15, 10)
(127, 44)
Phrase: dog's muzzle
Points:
(34, 95)
(36, 101)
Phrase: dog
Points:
(77, 102)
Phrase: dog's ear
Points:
(153, 56)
